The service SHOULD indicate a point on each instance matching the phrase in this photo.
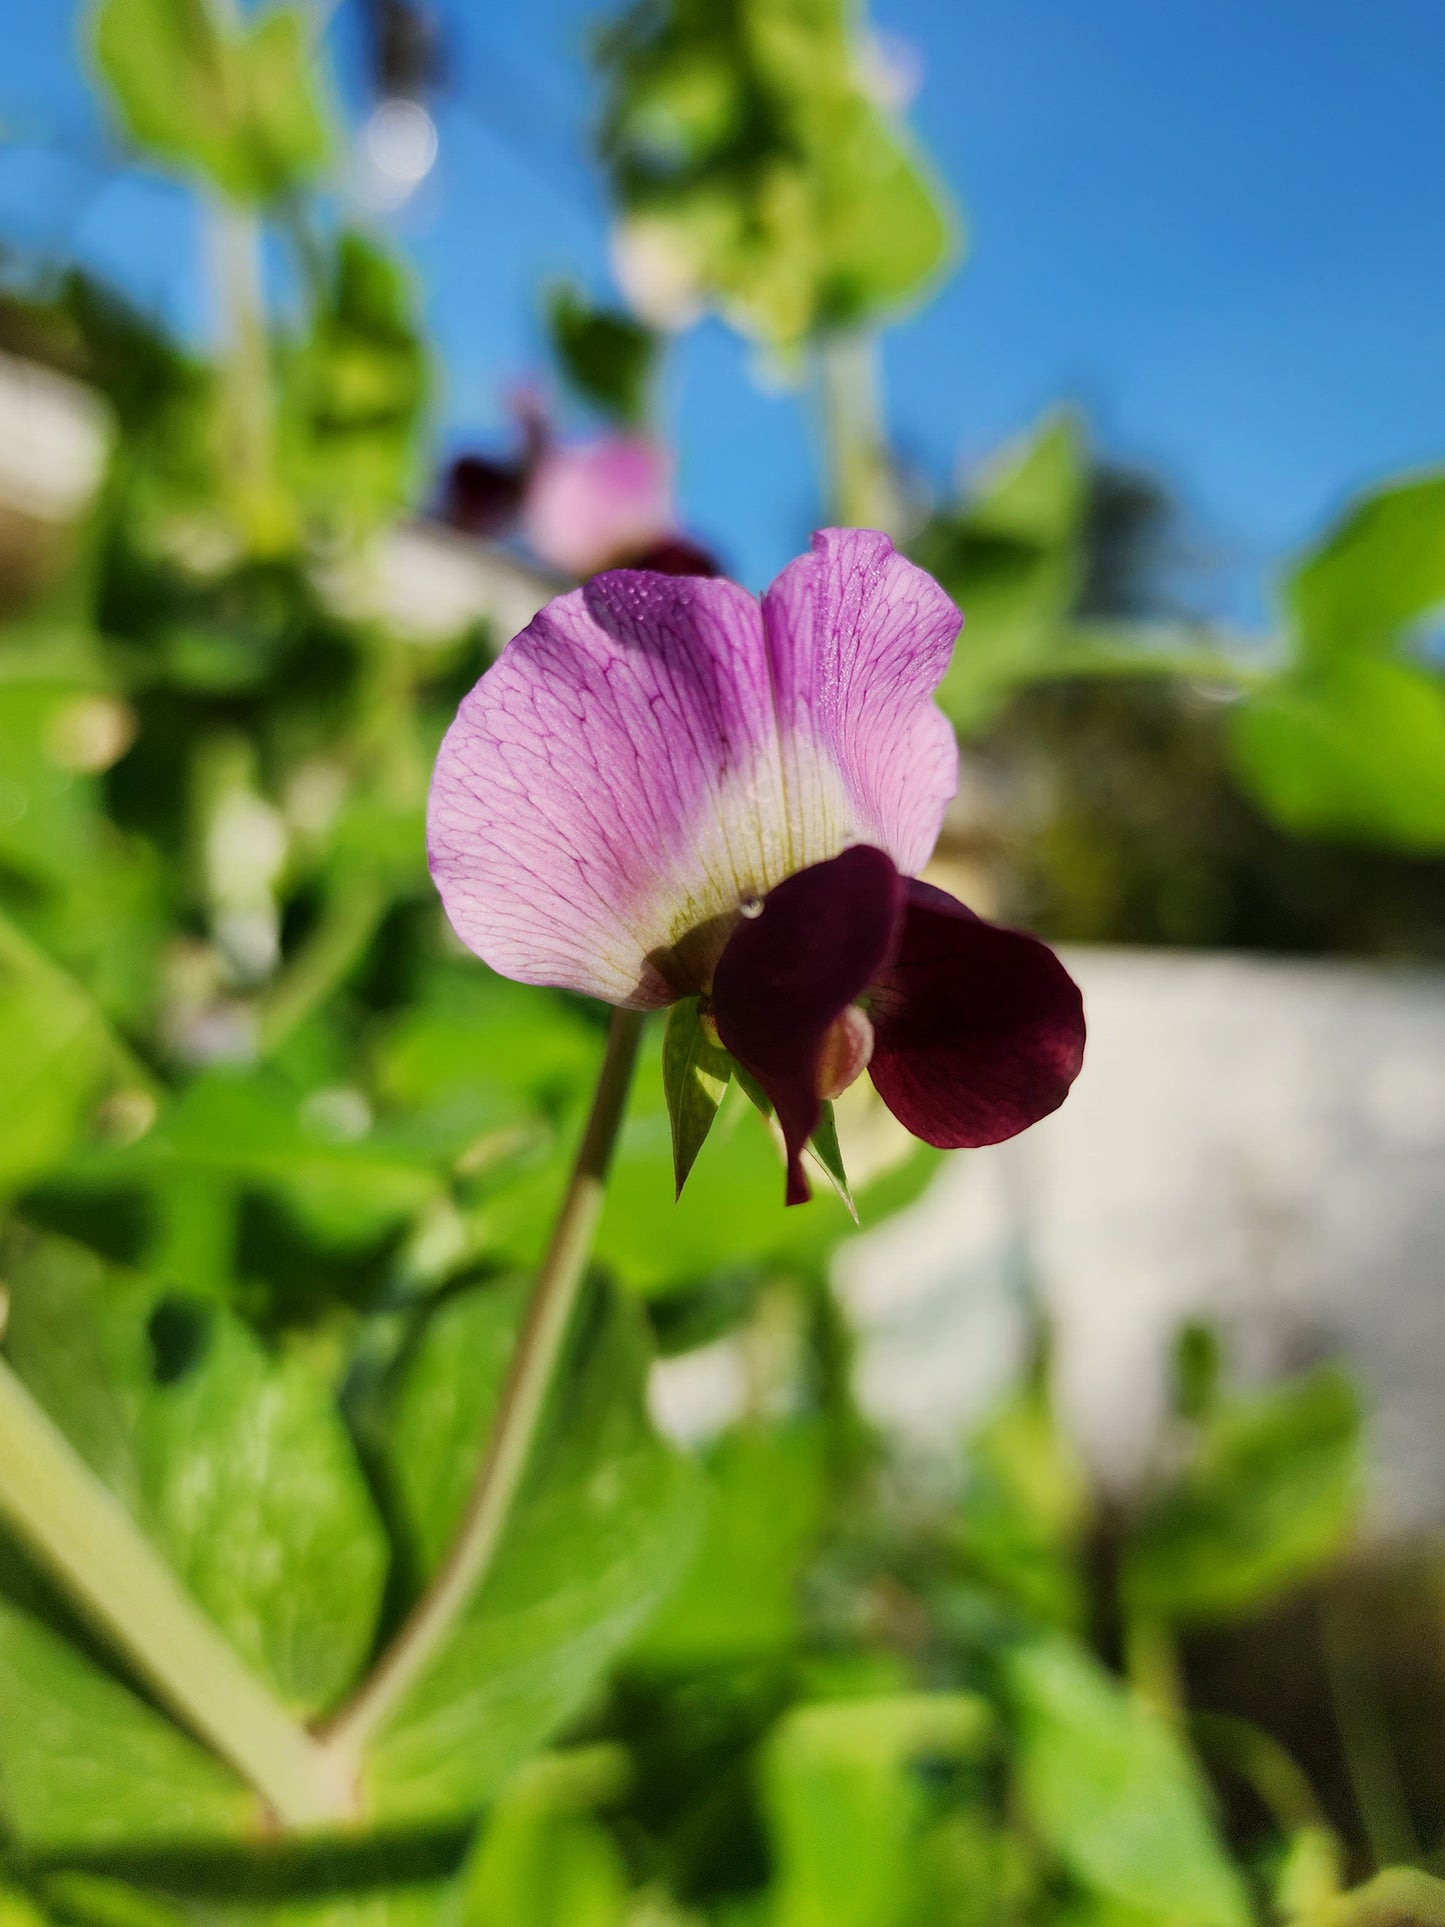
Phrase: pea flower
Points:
(580, 506)
(665, 789)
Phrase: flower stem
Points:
(860, 485)
(74, 1526)
(519, 1413)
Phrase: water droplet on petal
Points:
(753, 907)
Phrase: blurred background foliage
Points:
(276, 1156)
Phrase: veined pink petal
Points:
(590, 504)
(653, 752)
(859, 639)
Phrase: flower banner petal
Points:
(859, 639)
(576, 818)
(979, 1030)
(818, 940)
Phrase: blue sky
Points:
(1215, 226)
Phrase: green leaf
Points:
(604, 355)
(1353, 748)
(1108, 1785)
(695, 1074)
(355, 391)
(1025, 1510)
(235, 1463)
(1267, 1500)
(739, 1598)
(84, 1761)
(57, 1055)
(1401, 1897)
(239, 1131)
(1380, 569)
(1013, 556)
(603, 1525)
(745, 149)
(844, 1810)
(239, 105)
(541, 1862)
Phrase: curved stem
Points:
(519, 1414)
(75, 1527)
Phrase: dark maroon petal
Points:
(481, 496)
(820, 938)
(675, 555)
(979, 1030)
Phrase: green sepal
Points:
(695, 1074)
(823, 1149)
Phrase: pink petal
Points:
(788, 973)
(589, 505)
(859, 639)
(978, 1030)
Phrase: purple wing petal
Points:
(787, 973)
(979, 1031)
(859, 639)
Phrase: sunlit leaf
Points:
(603, 1525)
(85, 1761)
(740, 1596)
(1107, 1783)
(744, 143)
(844, 1809)
(236, 1464)
(1352, 749)
(1381, 568)
(240, 105)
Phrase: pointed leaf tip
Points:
(695, 1075)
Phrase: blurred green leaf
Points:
(1012, 556)
(541, 1860)
(235, 1463)
(1026, 1510)
(603, 1526)
(1351, 748)
(1400, 1897)
(354, 391)
(739, 1599)
(234, 1131)
(695, 1076)
(240, 105)
(1380, 569)
(844, 1806)
(84, 1761)
(57, 1054)
(746, 151)
(1108, 1785)
(1267, 1500)
(605, 355)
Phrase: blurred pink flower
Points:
(590, 505)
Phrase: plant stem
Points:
(1365, 1743)
(72, 1524)
(245, 373)
(348, 923)
(860, 485)
(519, 1414)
